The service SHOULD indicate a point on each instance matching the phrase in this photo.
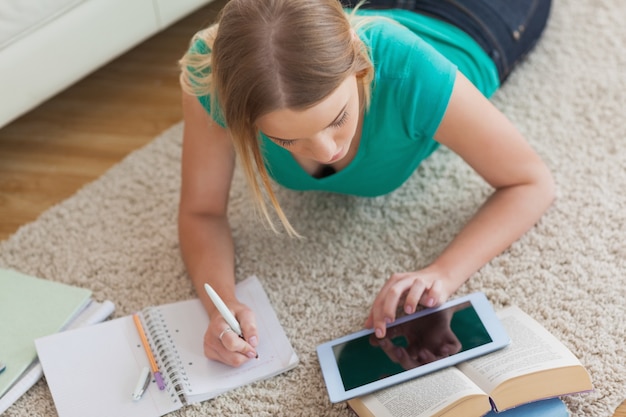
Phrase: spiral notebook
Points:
(93, 371)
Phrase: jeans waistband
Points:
(505, 29)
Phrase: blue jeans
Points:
(506, 29)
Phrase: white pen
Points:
(224, 311)
(142, 383)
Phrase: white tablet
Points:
(417, 344)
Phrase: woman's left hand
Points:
(406, 290)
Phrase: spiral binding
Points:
(166, 355)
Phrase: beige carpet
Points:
(117, 236)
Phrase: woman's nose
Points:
(323, 148)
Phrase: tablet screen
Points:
(409, 345)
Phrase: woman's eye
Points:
(287, 143)
(341, 121)
(284, 143)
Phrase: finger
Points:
(378, 306)
(433, 296)
(231, 340)
(386, 303)
(247, 321)
(236, 344)
(233, 359)
(413, 297)
(215, 350)
(393, 297)
(391, 333)
(393, 280)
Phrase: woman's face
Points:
(322, 133)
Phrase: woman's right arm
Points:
(206, 243)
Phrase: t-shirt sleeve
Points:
(428, 86)
(415, 79)
(199, 47)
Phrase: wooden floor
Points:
(70, 140)
(49, 153)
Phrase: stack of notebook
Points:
(30, 308)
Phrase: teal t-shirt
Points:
(415, 65)
(415, 62)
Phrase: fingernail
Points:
(430, 302)
(379, 333)
(251, 355)
(408, 309)
(253, 341)
(388, 320)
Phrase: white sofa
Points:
(47, 45)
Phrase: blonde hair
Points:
(267, 55)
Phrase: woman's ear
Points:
(361, 74)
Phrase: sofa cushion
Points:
(20, 17)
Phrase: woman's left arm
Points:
(524, 189)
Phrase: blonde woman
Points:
(351, 102)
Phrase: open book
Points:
(93, 371)
(534, 366)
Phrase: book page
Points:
(422, 397)
(532, 349)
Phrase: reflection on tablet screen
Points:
(409, 345)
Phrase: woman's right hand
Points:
(230, 348)
(208, 162)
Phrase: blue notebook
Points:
(552, 407)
